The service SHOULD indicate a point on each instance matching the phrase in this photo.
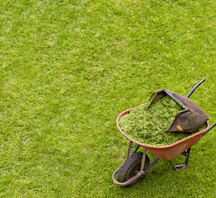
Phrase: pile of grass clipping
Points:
(148, 126)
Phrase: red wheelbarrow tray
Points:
(167, 152)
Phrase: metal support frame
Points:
(182, 166)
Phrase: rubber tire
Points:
(131, 166)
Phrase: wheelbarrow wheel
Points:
(131, 167)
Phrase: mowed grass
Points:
(68, 68)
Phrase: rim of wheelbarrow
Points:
(150, 146)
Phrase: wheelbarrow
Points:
(137, 163)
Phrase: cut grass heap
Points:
(148, 126)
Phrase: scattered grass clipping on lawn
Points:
(148, 126)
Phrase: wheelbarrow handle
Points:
(212, 126)
(197, 85)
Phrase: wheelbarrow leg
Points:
(182, 166)
(187, 156)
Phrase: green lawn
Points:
(68, 68)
